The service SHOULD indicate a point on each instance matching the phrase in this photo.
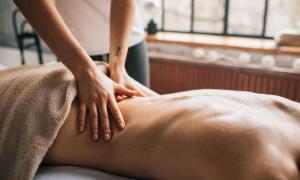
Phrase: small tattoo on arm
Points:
(118, 51)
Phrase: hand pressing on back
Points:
(96, 100)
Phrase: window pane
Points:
(246, 16)
(209, 16)
(283, 14)
(150, 10)
(178, 15)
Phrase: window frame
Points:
(263, 34)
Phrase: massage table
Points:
(74, 173)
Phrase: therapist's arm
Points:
(96, 91)
(122, 15)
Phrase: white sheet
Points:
(74, 173)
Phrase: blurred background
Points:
(256, 18)
(251, 45)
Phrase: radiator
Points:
(173, 74)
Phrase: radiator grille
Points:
(169, 76)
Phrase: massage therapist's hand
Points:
(96, 98)
(122, 78)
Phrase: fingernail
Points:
(122, 125)
(95, 136)
(81, 128)
(107, 136)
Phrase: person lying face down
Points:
(200, 134)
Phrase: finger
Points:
(104, 120)
(124, 91)
(116, 113)
(139, 93)
(94, 122)
(123, 97)
(119, 98)
(81, 117)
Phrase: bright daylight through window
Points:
(253, 18)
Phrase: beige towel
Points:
(34, 102)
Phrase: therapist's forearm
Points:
(121, 21)
(47, 22)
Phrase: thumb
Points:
(141, 94)
(124, 91)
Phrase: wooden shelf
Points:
(266, 46)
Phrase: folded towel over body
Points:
(34, 102)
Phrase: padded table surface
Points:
(74, 173)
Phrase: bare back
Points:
(207, 134)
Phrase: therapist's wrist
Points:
(78, 61)
(85, 69)
(116, 65)
(117, 73)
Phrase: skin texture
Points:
(201, 134)
(96, 91)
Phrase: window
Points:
(283, 14)
(246, 17)
(209, 16)
(249, 18)
(177, 17)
